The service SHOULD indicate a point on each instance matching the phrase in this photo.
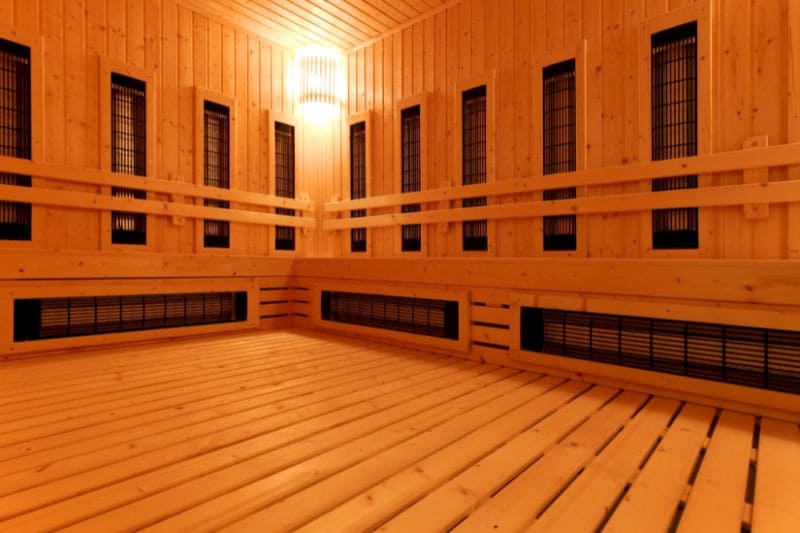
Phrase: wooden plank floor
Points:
(287, 430)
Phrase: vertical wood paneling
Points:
(793, 115)
(169, 125)
(734, 119)
(750, 46)
(755, 83)
(54, 86)
(183, 49)
(83, 232)
(516, 101)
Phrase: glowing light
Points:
(318, 76)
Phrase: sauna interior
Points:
(408, 265)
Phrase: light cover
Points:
(318, 76)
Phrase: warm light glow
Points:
(318, 76)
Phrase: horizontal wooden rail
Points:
(734, 161)
(767, 193)
(100, 202)
(91, 176)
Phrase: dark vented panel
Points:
(15, 134)
(560, 232)
(284, 181)
(434, 318)
(674, 128)
(558, 115)
(52, 318)
(216, 141)
(474, 135)
(284, 235)
(411, 233)
(358, 182)
(473, 163)
(559, 140)
(754, 357)
(411, 174)
(474, 232)
(128, 153)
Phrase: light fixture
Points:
(318, 76)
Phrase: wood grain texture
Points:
(323, 433)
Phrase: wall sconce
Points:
(318, 76)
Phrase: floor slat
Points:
(299, 429)
(717, 499)
(776, 507)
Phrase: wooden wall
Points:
(751, 94)
(185, 49)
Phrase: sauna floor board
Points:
(296, 429)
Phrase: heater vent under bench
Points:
(422, 316)
(54, 318)
(755, 357)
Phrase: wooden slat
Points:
(628, 202)
(603, 480)
(652, 501)
(717, 499)
(776, 507)
(490, 335)
(383, 501)
(301, 429)
(258, 417)
(543, 473)
(287, 514)
(270, 310)
(490, 315)
(276, 295)
(259, 400)
(755, 158)
(182, 463)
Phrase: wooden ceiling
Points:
(335, 23)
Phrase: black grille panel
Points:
(755, 357)
(53, 318)
(411, 171)
(128, 153)
(434, 318)
(559, 117)
(15, 134)
(358, 182)
(559, 150)
(674, 128)
(284, 181)
(473, 154)
(216, 233)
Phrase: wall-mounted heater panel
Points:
(754, 357)
(423, 316)
(53, 318)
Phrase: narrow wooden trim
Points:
(700, 12)
(274, 117)
(367, 118)
(92, 176)
(36, 43)
(106, 67)
(200, 97)
(423, 100)
(793, 60)
(745, 282)
(489, 79)
(577, 52)
(728, 195)
(101, 202)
